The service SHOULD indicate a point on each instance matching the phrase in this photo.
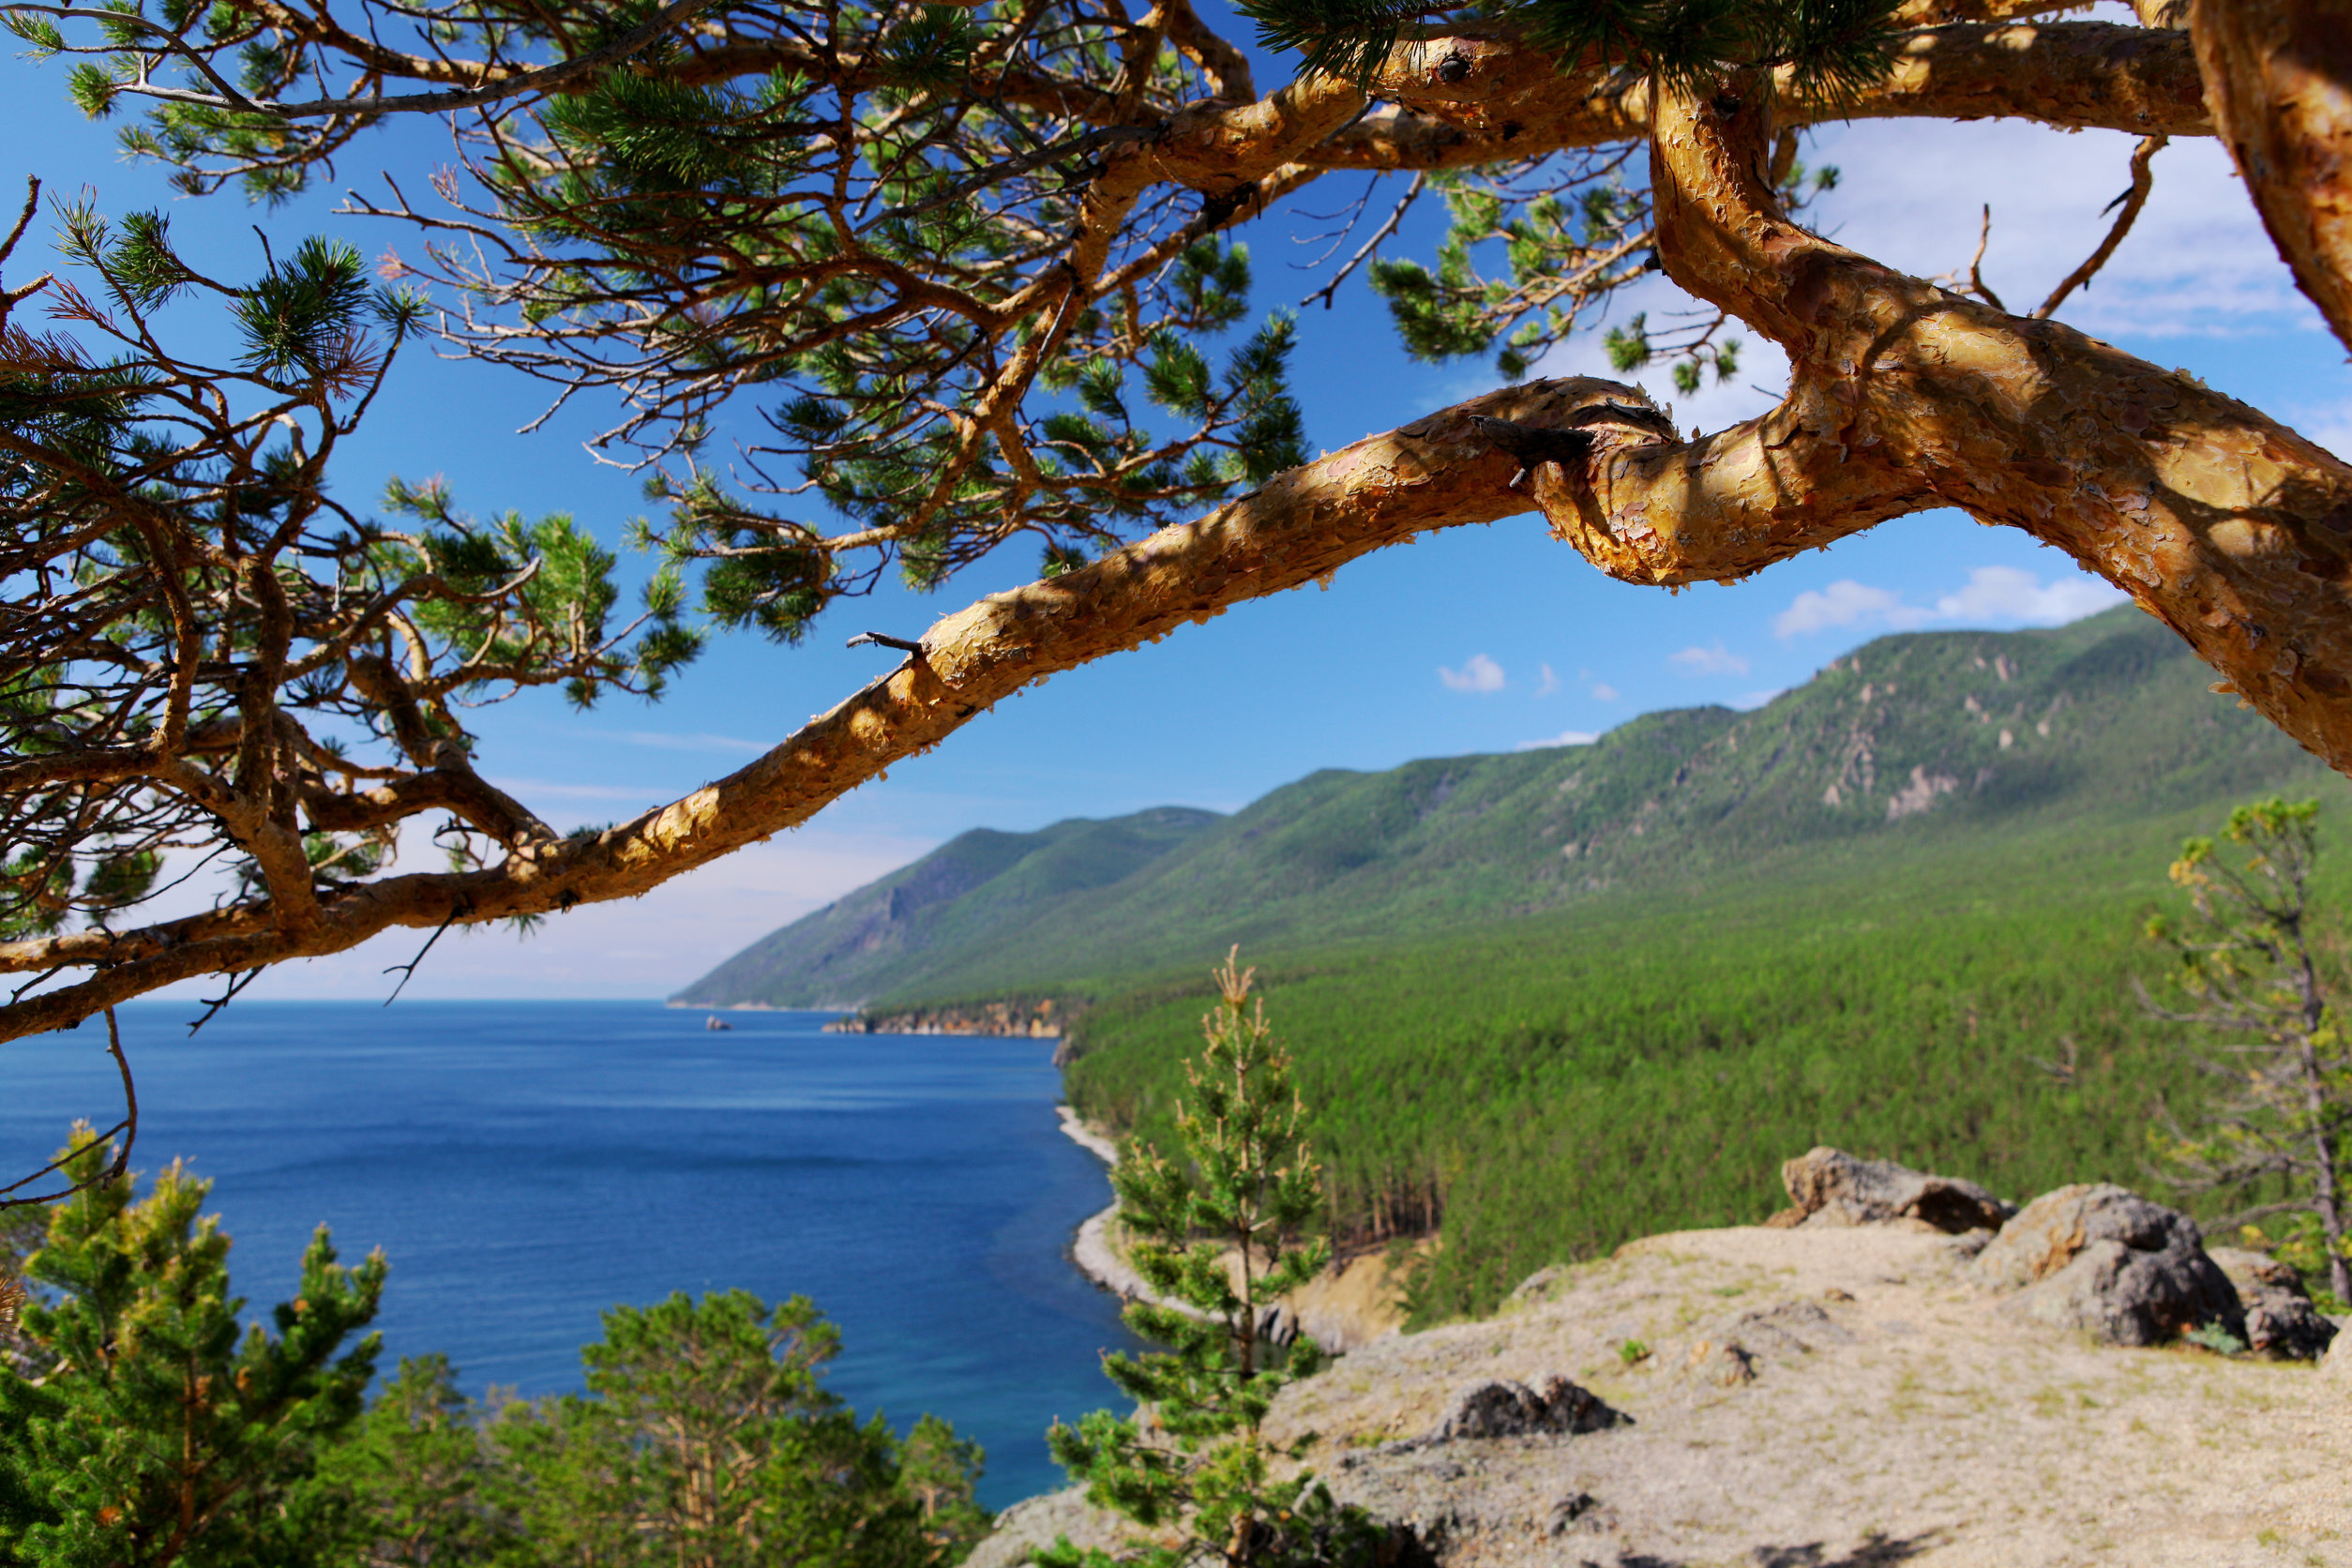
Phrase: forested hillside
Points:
(885, 935)
(1548, 1001)
(1916, 744)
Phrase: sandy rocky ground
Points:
(1823, 1396)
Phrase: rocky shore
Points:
(1353, 1303)
(1901, 1369)
(1037, 1020)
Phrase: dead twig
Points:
(2132, 201)
(116, 1169)
(1324, 294)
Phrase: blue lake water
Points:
(526, 1165)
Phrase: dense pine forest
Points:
(1548, 1001)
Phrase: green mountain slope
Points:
(1915, 748)
(887, 932)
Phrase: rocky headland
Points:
(1043, 1019)
(1900, 1369)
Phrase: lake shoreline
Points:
(1091, 1250)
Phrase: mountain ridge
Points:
(1915, 743)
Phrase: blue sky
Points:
(1482, 640)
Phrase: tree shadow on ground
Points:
(1878, 1551)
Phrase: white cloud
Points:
(1755, 700)
(1843, 603)
(2196, 261)
(2013, 593)
(1994, 594)
(1566, 737)
(1478, 673)
(1550, 683)
(1602, 691)
(1717, 660)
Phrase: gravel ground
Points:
(1819, 1399)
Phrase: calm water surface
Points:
(526, 1165)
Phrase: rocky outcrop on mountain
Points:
(2281, 1319)
(1831, 1187)
(2111, 1264)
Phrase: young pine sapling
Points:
(1216, 1233)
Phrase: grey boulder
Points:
(2111, 1264)
(2281, 1319)
(1504, 1408)
(1831, 1187)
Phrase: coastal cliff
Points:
(1038, 1020)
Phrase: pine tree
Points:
(2256, 985)
(1218, 1232)
(707, 1439)
(162, 1434)
(414, 1485)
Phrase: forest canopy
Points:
(978, 276)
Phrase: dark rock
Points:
(2111, 1263)
(2281, 1319)
(1277, 1324)
(1831, 1187)
(1506, 1408)
(1725, 1364)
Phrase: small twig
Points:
(408, 970)
(214, 1004)
(1023, 163)
(1324, 294)
(127, 1126)
(898, 642)
(24, 220)
(1976, 263)
(130, 1123)
(2132, 201)
(18, 994)
(521, 85)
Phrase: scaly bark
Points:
(2226, 526)
(2278, 77)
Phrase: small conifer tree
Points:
(160, 1431)
(1217, 1235)
(2256, 982)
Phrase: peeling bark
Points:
(2278, 76)
(2229, 527)
(1511, 100)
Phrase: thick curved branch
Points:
(2277, 74)
(1437, 472)
(2226, 526)
(1507, 99)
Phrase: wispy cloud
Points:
(1717, 660)
(526, 790)
(1755, 700)
(666, 741)
(1601, 691)
(1478, 673)
(1566, 737)
(1550, 683)
(1993, 595)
